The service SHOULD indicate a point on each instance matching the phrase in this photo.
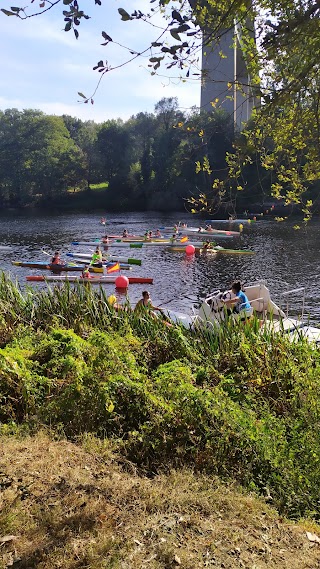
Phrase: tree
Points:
(37, 157)
(284, 72)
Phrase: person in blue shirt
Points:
(239, 303)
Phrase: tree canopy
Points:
(283, 64)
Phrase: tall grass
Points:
(241, 402)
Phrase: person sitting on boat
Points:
(124, 234)
(209, 227)
(146, 303)
(105, 239)
(158, 233)
(240, 303)
(96, 258)
(86, 272)
(56, 259)
(200, 229)
(173, 239)
(103, 221)
(207, 245)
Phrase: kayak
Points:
(246, 220)
(121, 244)
(67, 267)
(213, 233)
(213, 251)
(104, 279)
(86, 257)
(216, 250)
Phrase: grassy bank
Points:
(76, 506)
(241, 405)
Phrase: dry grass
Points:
(68, 506)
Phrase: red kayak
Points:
(103, 279)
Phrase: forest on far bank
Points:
(149, 162)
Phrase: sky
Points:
(43, 67)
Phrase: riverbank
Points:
(243, 405)
(82, 505)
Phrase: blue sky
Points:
(43, 67)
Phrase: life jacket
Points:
(86, 274)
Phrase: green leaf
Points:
(7, 13)
(124, 15)
(67, 27)
(15, 9)
(81, 95)
(175, 35)
(177, 16)
(106, 36)
(67, 2)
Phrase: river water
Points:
(284, 258)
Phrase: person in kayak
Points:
(239, 303)
(158, 233)
(173, 239)
(105, 240)
(146, 303)
(85, 273)
(56, 259)
(206, 245)
(124, 234)
(96, 258)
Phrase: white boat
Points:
(212, 313)
(205, 232)
(86, 258)
(145, 244)
(210, 233)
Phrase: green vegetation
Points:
(147, 162)
(82, 505)
(280, 147)
(99, 187)
(242, 405)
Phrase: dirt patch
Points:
(66, 506)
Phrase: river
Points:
(284, 258)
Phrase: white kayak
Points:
(213, 233)
(134, 245)
(86, 258)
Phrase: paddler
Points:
(173, 239)
(146, 303)
(206, 245)
(158, 233)
(124, 234)
(56, 259)
(86, 273)
(96, 258)
(105, 239)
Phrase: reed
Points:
(238, 402)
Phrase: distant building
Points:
(226, 82)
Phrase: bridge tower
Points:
(225, 77)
